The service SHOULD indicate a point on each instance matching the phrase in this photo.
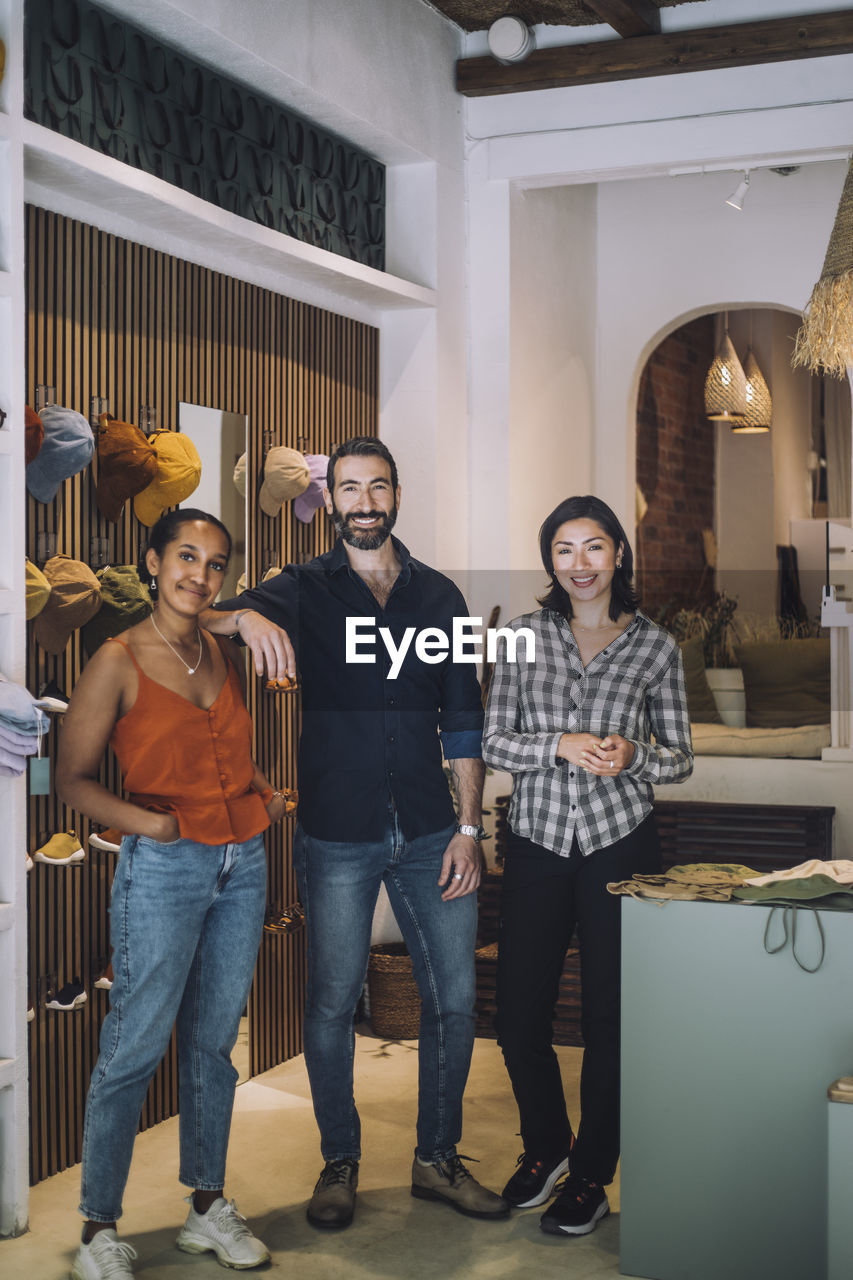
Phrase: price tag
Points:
(39, 775)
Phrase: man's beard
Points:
(364, 539)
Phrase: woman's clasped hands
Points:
(606, 757)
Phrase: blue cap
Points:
(67, 448)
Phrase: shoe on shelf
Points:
(30, 863)
(578, 1207)
(105, 1257)
(290, 920)
(534, 1180)
(71, 996)
(450, 1181)
(108, 841)
(223, 1231)
(31, 1013)
(52, 698)
(333, 1201)
(61, 849)
(105, 980)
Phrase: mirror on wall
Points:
(220, 439)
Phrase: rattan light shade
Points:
(759, 406)
(725, 385)
(825, 340)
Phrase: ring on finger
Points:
(457, 876)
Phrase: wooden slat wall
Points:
(109, 317)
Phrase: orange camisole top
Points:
(178, 758)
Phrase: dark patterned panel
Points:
(112, 318)
(113, 87)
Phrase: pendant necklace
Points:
(191, 670)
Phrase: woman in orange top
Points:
(189, 890)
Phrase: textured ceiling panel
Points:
(478, 15)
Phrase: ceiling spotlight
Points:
(739, 194)
(510, 39)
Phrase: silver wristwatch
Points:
(476, 833)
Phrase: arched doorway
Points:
(713, 506)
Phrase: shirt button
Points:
(392, 739)
(571, 775)
(574, 806)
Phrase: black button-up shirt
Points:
(367, 738)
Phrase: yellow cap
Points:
(178, 474)
(38, 590)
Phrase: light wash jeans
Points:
(339, 884)
(185, 923)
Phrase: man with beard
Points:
(374, 808)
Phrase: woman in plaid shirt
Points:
(586, 724)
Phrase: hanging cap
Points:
(286, 476)
(75, 595)
(34, 434)
(126, 464)
(308, 502)
(124, 601)
(38, 590)
(240, 475)
(67, 448)
(177, 476)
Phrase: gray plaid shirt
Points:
(634, 687)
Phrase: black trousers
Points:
(544, 899)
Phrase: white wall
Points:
(675, 249)
(662, 154)
(552, 299)
(380, 74)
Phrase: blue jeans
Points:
(185, 923)
(339, 885)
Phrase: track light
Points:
(740, 193)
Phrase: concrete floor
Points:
(274, 1161)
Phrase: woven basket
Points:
(395, 1003)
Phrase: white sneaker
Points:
(223, 1230)
(105, 1257)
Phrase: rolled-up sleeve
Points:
(504, 745)
(668, 757)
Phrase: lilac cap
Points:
(307, 503)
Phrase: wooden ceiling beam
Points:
(744, 44)
(628, 17)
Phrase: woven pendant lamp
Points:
(759, 406)
(825, 340)
(725, 385)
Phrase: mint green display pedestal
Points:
(727, 1053)
(840, 1191)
